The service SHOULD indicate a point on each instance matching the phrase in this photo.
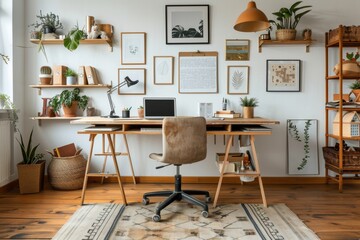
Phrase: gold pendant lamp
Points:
(251, 20)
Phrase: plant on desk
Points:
(141, 111)
(70, 101)
(248, 105)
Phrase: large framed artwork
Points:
(133, 48)
(302, 146)
(238, 80)
(237, 49)
(283, 75)
(134, 74)
(163, 70)
(187, 24)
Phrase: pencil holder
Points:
(125, 113)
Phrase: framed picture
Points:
(133, 48)
(237, 49)
(302, 146)
(238, 79)
(187, 24)
(163, 70)
(134, 74)
(283, 76)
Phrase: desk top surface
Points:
(137, 121)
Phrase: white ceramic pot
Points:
(71, 80)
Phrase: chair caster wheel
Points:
(205, 214)
(145, 201)
(156, 218)
(208, 199)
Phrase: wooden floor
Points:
(330, 214)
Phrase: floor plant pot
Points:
(70, 111)
(31, 177)
(248, 112)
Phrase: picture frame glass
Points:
(237, 50)
(187, 24)
(133, 48)
(134, 74)
(283, 75)
(163, 70)
(238, 79)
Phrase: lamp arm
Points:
(116, 87)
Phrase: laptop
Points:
(159, 107)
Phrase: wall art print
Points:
(133, 48)
(237, 49)
(238, 80)
(187, 24)
(134, 74)
(302, 146)
(163, 70)
(283, 76)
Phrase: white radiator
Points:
(6, 149)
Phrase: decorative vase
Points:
(349, 68)
(70, 111)
(248, 112)
(285, 34)
(31, 177)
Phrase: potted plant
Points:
(45, 75)
(350, 66)
(355, 89)
(71, 76)
(70, 100)
(32, 168)
(140, 111)
(248, 105)
(48, 23)
(287, 19)
(72, 39)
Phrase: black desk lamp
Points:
(127, 82)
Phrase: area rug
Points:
(184, 221)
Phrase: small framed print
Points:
(283, 75)
(187, 24)
(238, 80)
(133, 48)
(134, 74)
(163, 70)
(237, 49)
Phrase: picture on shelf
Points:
(283, 76)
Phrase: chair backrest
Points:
(184, 140)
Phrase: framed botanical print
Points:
(237, 49)
(283, 75)
(133, 48)
(163, 70)
(187, 24)
(238, 79)
(134, 74)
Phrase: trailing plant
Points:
(288, 18)
(70, 73)
(28, 151)
(67, 97)
(72, 39)
(249, 102)
(49, 20)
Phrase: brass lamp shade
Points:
(251, 20)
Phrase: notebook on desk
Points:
(159, 107)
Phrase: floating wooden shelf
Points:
(307, 43)
(70, 86)
(85, 41)
(39, 119)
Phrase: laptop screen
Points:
(159, 107)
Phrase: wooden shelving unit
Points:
(307, 43)
(85, 41)
(70, 86)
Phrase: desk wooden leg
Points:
(129, 156)
(92, 139)
(227, 150)
(116, 167)
(105, 159)
(252, 142)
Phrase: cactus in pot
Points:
(45, 75)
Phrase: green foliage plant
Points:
(48, 20)
(288, 18)
(352, 56)
(249, 102)
(72, 39)
(70, 73)
(28, 151)
(355, 85)
(67, 97)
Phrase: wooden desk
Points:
(229, 127)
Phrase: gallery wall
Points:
(149, 17)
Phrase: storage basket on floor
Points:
(67, 173)
(351, 159)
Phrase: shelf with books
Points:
(39, 86)
(85, 41)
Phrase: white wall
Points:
(149, 16)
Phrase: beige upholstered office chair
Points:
(184, 142)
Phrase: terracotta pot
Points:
(349, 68)
(357, 94)
(70, 111)
(248, 112)
(31, 177)
(285, 34)
(141, 113)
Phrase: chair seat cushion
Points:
(156, 156)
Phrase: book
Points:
(256, 128)
(91, 75)
(225, 112)
(82, 76)
(65, 151)
(102, 128)
(227, 115)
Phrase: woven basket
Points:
(67, 173)
(350, 159)
(285, 34)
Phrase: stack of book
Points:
(226, 114)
